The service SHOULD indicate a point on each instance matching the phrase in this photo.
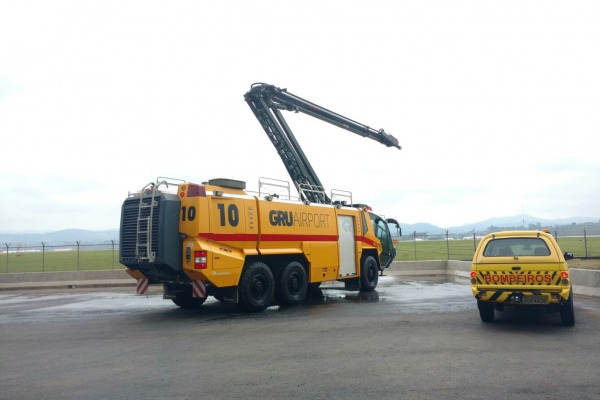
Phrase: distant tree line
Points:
(574, 229)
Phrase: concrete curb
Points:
(585, 282)
(65, 280)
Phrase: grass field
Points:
(464, 249)
(87, 260)
(60, 261)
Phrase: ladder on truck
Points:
(149, 200)
(143, 234)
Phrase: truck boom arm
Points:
(267, 101)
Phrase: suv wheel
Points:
(486, 310)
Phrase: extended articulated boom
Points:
(267, 101)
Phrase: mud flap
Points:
(142, 287)
(142, 282)
(198, 289)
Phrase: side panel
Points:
(323, 261)
(232, 228)
(225, 227)
(226, 220)
(287, 228)
(347, 246)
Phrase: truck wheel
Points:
(567, 314)
(292, 285)
(486, 310)
(185, 300)
(219, 297)
(369, 274)
(256, 287)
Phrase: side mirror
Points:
(393, 221)
(568, 255)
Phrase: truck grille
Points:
(130, 238)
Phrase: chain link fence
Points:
(424, 246)
(22, 257)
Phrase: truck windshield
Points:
(516, 247)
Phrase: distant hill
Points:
(519, 221)
(66, 236)
(565, 226)
(421, 227)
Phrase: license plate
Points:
(535, 300)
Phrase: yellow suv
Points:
(521, 268)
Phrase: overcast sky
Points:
(495, 103)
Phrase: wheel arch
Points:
(373, 253)
(276, 262)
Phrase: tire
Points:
(219, 297)
(369, 274)
(486, 311)
(257, 287)
(292, 285)
(567, 313)
(185, 300)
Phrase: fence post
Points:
(43, 257)
(113, 254)
(474, 243)
(77, 241)
(447, 246)
(585, 242)
(7, 247)
(415, 243)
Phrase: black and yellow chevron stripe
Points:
(527, 278)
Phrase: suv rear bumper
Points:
(515, 296)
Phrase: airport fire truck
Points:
(256, 249)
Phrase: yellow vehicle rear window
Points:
(516, 247)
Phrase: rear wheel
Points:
(186, 300)
(486, 310)
(256, 287)
(369, 274)
(567, 313)
(292, 285)
(219, 297)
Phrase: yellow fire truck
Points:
(256, 249)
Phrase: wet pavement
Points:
(413, 338)
(405, 294)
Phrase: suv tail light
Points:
(565, 277)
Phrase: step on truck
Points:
(261, 248)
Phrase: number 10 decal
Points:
(233, 214)
(190, 214)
